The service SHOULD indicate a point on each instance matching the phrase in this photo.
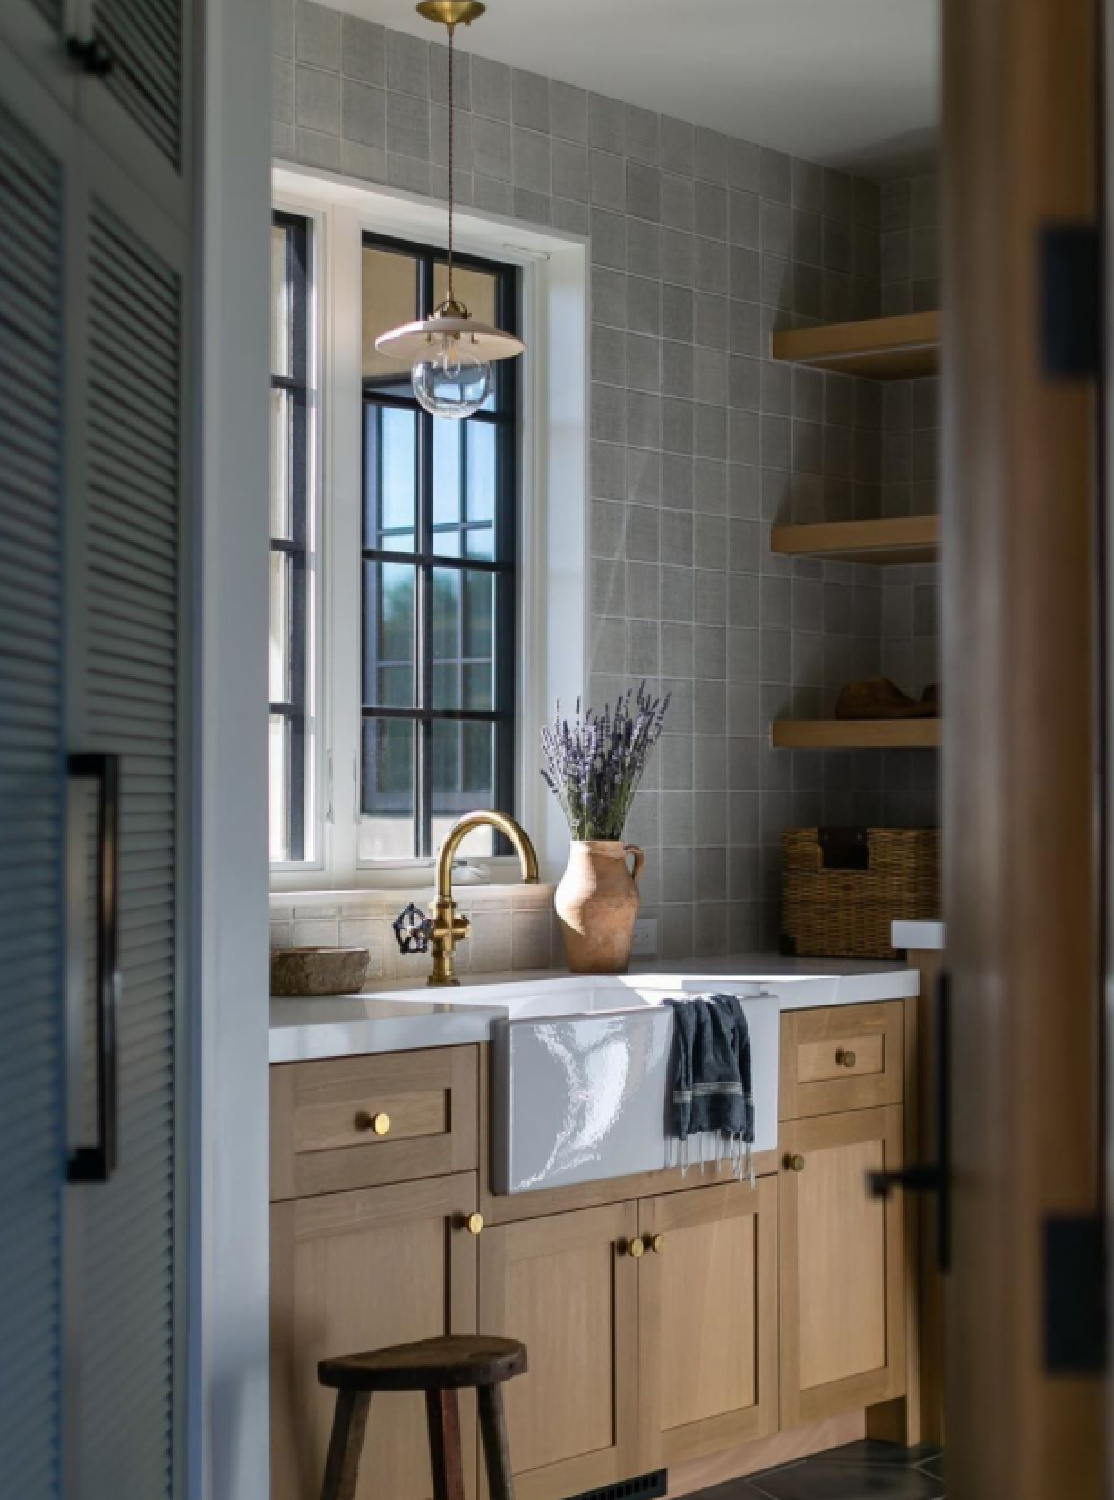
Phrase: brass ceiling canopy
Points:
(451, 12)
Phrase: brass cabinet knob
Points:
(795, 1163)
(656, 1243)
(846, 1057)
(474, 1223)
(379, 1123)
(635, 1248)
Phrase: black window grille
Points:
(290, 395)
(439, 570)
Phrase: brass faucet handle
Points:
(412, 930)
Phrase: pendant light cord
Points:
(452, 34)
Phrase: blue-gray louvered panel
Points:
(129, 1269)
(145, 39)
(31, 804)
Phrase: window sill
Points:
(393, 877)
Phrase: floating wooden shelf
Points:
(856, 734)
(900, 539)
(896, 348)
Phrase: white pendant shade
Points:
(415, 341)
(450, 353)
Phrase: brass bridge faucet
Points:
(446, 929)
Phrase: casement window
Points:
(291, 834)
(414, 679)
(439, 560)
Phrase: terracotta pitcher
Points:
(597, 903)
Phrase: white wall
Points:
(228, 1437)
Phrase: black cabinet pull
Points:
(91, 55)
(96, 1163)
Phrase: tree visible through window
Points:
(439, 553)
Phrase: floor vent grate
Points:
(645, 1487)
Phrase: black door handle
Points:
(932, 1177)
(91, 55)
(97, 1162)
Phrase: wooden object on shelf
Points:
(440, 1367)
(896, 348)
(856, 734)
(889, 541)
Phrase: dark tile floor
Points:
(860, 1471)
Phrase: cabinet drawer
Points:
(360, 1121)
(844, 1057)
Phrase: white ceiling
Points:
(849, 83)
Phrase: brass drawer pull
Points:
(474, 1223)
(656, 1243)
(379, 1123)
(846, 1057)
(635, 1248)
(795, 1163)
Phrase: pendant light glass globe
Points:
(451, 381)
(450, 352)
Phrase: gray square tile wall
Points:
(910, 435)
(700, 246)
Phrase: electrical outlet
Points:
(645, 943)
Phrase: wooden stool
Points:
(440, 1368)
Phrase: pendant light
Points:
(451, 354)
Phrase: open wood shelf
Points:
(900, 539)
(856, 734)
(897, 348)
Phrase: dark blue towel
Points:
(712, 1086)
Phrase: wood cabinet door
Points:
(842, 1266)
(708, 1335)
(359, 1270)
(567, 1286)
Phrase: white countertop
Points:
(407, 1014)
(922, 935)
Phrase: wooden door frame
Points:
(1021, 815)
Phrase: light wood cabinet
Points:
(842, 1266)
(359, 1270)
(708, 1321)
(567, 1286)
(357, 1122)
(751, 1311)
(846, 1057)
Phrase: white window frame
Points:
(552, 618)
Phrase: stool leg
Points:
(497, 1453)
(443, 1415)
(346, 1443)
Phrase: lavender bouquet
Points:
(594, 766)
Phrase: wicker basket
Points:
(842, 888)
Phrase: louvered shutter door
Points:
(31, 810)
(128, 1264)
(145, 38)
(50, 10)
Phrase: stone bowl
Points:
(318, 971)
